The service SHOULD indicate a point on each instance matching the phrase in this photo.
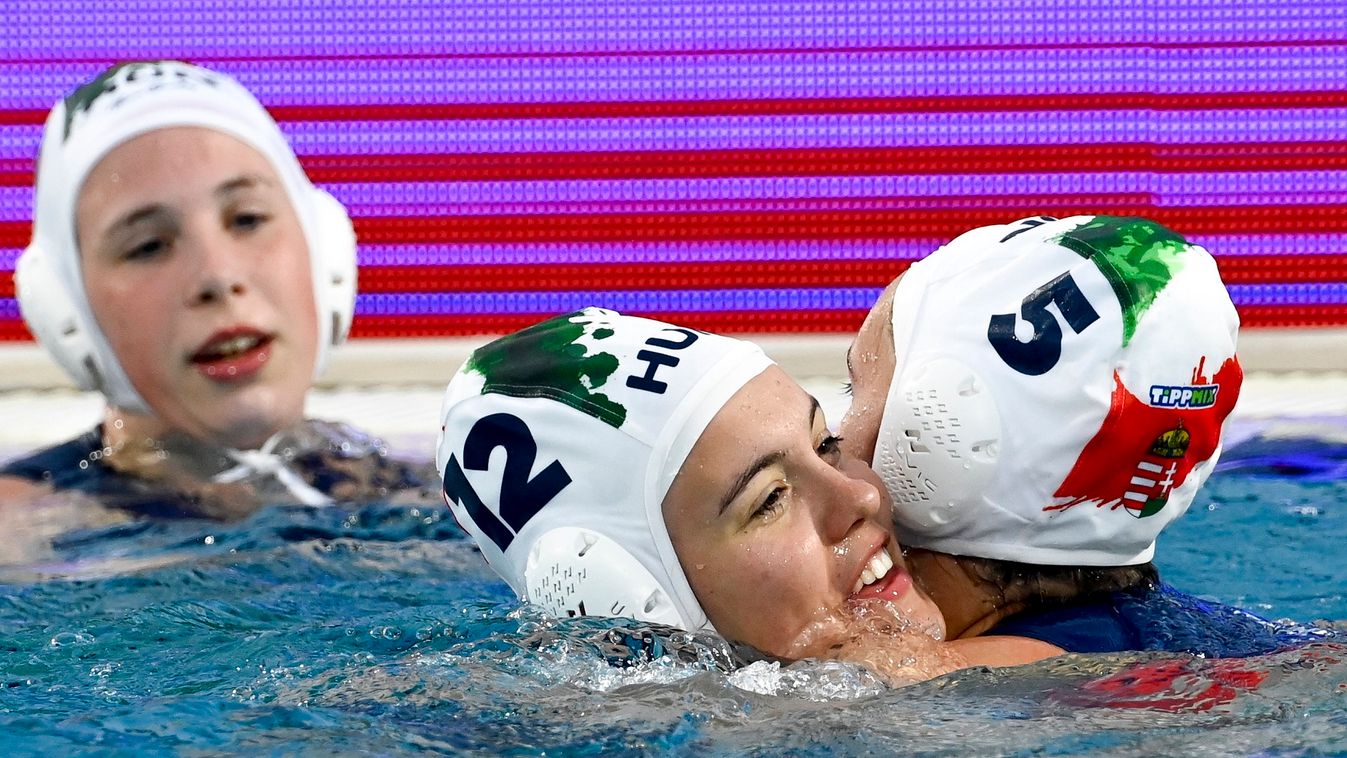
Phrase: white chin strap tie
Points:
(265, 462)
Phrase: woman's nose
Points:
(213, 289)
(218, 276)
(851, 501)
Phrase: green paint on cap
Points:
(1137, 256)
(545, 360)
(81, 99)
(120, 75)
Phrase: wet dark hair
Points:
(1036, 584)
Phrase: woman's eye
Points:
(830, 448)
(147, 249)
(771, 504)
(248, 221)
(846, 388)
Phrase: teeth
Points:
(881, 563)
(234, 346)
(875, 570)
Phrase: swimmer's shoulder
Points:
(17, 491)
(1004, 650)
(351, 465)
(38, 501)
(34, 515)
(32, 476)
(59, 461)
(75, 470)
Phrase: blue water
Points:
(382, 631)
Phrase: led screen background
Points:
(744, 166)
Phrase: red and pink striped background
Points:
(744, 166)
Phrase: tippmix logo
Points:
(1142, 452)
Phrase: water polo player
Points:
(1041, 400)
(183, 265)
(609, 465)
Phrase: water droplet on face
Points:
(701, 566)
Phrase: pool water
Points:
(381, 631)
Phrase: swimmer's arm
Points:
(998, 650)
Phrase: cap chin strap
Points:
(264, 461)
(938, 444)
(558, 577)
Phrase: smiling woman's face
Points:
(777, 528)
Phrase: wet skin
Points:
(197, 271)
(970, 605)
(774, 523)
(870, 368)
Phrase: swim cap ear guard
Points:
(122, 103)
(559, 444)
(1060, 390)
(333, 257)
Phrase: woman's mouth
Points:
(233, 355)
(882, 579)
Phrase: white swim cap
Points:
(1060, 390)
(124, 102)
(559, 443)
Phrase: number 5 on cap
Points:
(1042, 351)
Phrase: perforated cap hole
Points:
(914, 443)
(969, 386)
